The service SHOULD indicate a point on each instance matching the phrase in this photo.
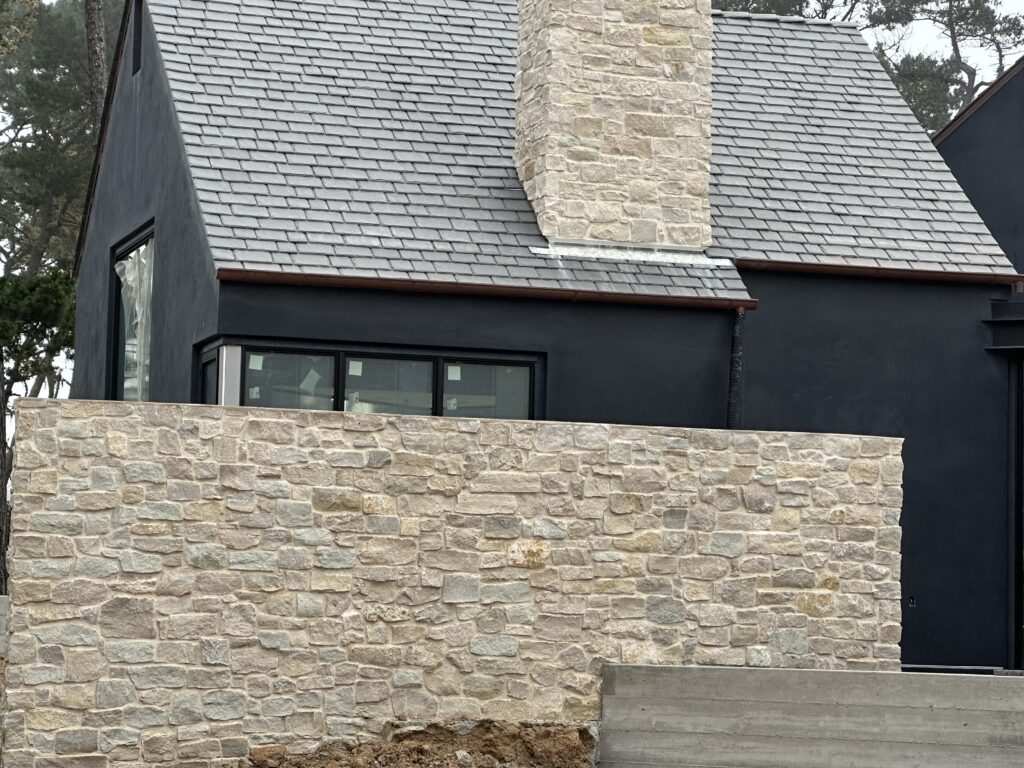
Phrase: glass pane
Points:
(210, 382)
(487, 391)
(135, 287)
(374, 385)
(287, 380)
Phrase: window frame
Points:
(205, 361)
(438, 357)
(265, 350)
(202, 358)
(343, 358)
(115, 354)
(138, 29)
(460, 360)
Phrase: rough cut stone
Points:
(460, 588)
(626, 159)
(435, 569)
(224, 705)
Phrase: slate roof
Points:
(818, 160)
(374, 138)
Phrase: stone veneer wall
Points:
(613, 123)
(189, 581)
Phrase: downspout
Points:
(734, 409)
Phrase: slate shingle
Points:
(375, 138)
(812, 138)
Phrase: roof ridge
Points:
(785, 19)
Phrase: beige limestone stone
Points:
(613, 130)
(430, 569)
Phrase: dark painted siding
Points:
(874, 356)
(822, 354)
(986, 154)
(143, 176)
(610, 363)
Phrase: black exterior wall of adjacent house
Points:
(627, 364)
(985, 151)
(144, 178)
(904, 358)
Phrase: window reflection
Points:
(134, 273)
(286, 380)
(487, 391)
(377, 385)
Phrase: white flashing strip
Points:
(229, 388)
(608, 251)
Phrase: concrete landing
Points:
(752, 718)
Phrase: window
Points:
(374, 380)
(137, 31)
(133, 270)
(380, 385)
(286, 380)
(481, 391)
(209, 382)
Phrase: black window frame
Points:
(440, 379)
(202, 358)
(265, 350)
(122, 250)
(214, 361)
(438, 357)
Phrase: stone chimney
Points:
(613, 123)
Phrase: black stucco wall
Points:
(823, 354)
(613, 363)
(143, 176)
(986, 154)
(883, 357)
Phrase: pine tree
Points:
(47, 144)
(16, 20)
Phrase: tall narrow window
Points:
(134, 271)
(136, 36)
(208, 384)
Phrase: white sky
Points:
(926, 38)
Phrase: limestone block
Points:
(313, 576)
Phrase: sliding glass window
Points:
(481, 391)
(287, 380)
(364, 382)
(382, 385)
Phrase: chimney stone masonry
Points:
(613, 124)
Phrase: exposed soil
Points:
(484, 745)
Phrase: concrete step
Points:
(750, 718)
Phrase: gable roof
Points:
(373, 139)
(818, 160)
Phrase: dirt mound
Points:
(482, 745)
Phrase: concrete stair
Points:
(710, 717)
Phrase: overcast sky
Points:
(925, 38)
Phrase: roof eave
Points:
(991, 278)
(267, 277)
